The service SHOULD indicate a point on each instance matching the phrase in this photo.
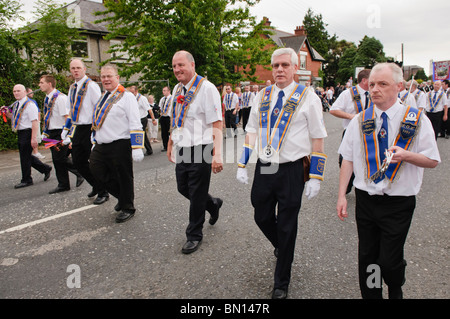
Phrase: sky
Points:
(422, 26)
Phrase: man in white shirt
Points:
(385, 193)
(286, 122)
(405, 96)
(231, 102)
(445, 128)
(24, 120)
(197, 139)
(165, 105)
(119, 139)
(437, 107)
(418, 95)
(83, 95)
(247, 102)
(350, 103)
(55, 115)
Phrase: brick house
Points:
(310, 61)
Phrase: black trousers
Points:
(282, 189)
(27, 161)
(383, 223)
(193, 174)
(112, 167)
(81, 151)
(165, 130)
(245, 116)
(230, 121)
(436, 121)
(61, 161)
(148, 147)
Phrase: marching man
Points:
(287, 121)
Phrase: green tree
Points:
(12, 67)
(48, 41)
(328, 46)
(420, 75)
(345, 65)
(220, 34)
(370, 51)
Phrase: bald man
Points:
(24, 120)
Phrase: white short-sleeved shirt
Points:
(59, 111)
(346, 104)
(307, 123)
(204, 110)
(409, 177)
(122, 118)
(143, 104)
(91, 97)
(420, 98)
(409, 100)
(166, 102)
(29, 114)
(440, 106)
(247, 96)
(233, 101)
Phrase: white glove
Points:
(66, 140)
(312, 188)
(241, 175)
(64, 134)
(43, 136)
(137, 154)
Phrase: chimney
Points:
(267, 22)
(300, 30)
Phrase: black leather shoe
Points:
(22, 184)
(92, 193)
(395, 293)
(123, 217)
(275, 252)
(215, 215)
(190, 246)
(279, 293)
(100, 200)
(47, 175)
(58, 190)
(80, 180)
(117, 208)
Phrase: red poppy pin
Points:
(180, 99)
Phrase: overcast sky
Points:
(422, 26)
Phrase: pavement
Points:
(52, 243)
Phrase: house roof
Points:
(289, 40)
(84, 10)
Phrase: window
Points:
(118, 55)
(80, 49)
(302, 62)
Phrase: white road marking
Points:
(43, 220)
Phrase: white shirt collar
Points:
(51, 93)
(286, 90)
(81, 81)
(390, 111)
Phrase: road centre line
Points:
(43, 220)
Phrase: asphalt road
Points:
(62, 246)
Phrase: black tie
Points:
(367, 100)
(184, 91)
(104, 99)
(74, 92)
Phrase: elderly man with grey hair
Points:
(387, 147)
(24, 121)
(287, 122)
